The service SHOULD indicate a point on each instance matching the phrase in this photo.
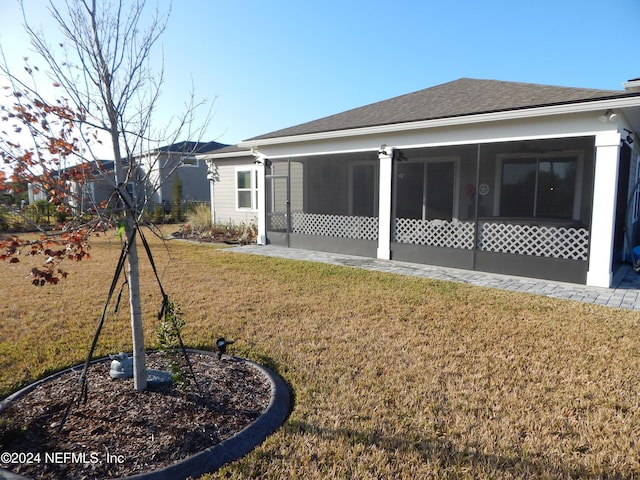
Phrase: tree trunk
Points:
(139, 363)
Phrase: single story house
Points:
(505, 177)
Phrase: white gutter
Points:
(213, 156)
(451, 121)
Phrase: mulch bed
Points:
(121, 432)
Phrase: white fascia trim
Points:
(216, 156)
(452, 121)
(328, 152)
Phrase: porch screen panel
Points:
(538, 201)
(439, 192)
(340, 196)
(409, 187)
(518, 188)
(428, 206)
(538, 187)
(277, 196)
(556, 187)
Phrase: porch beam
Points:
(385, 155)
(600, 273)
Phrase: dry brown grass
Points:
(394, 377)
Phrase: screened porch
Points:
(513, 207)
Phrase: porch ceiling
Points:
(632, 114)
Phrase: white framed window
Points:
(247, 188)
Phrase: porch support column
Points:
(261, 162)
(385, 154)
(600, 273)
(211, 176)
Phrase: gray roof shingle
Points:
(192, 147)
(465, 96)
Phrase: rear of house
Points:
(503, 177)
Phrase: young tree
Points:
(102, 67)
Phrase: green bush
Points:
(158, 214)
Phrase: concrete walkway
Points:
(625, 295)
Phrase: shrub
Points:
(199, 217)
(39, 211)
(158, 214)
(4, 222)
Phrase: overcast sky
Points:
(272, 64)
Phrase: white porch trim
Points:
(385, 154)
(261, 162)
(600, 273)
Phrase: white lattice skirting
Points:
(437, 233)
(277, 221)
(343, 226)
(542, 241)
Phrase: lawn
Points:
(393, 376)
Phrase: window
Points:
(247, 189)
(539, 187)
(131, 190)
(189, 162)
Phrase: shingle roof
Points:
(465, 96)
(192, 147)
(232, 149)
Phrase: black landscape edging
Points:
(213, 457)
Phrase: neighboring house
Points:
(161, 167)
(152, 181)
(98, 186)
(514, 178)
